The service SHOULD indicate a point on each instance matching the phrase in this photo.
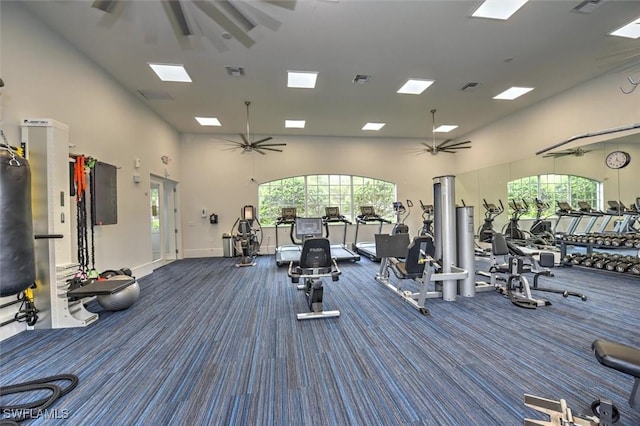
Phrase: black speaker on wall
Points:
(104, 190)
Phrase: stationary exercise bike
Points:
(245, 237)
(486, 231)
(315, 264)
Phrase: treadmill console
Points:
(367, 211)
(564, 207)
(308, 227)
(332, 212)
(616, 207)
(288, 215)
(584, 206)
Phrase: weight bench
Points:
(623, 358)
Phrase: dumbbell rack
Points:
(617, 264)
(618, 241)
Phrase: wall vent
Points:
(469, 87)
(235, 71)
(361, 78)
(588, 6)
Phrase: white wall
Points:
(45, 77)
(595, 105)
(220, 180)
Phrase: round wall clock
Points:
(618, 159)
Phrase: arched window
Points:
(312, 193)
(552, 188)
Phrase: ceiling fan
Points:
(576, 152)
(258, 146)
(445, 146)
(235, 18)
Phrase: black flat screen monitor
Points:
(308, 227)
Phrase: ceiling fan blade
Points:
(447, 151)
(271, 144)
(104, 5)
(287, 4)
(457, 147)
(174, 12)
(261, 17)
(221, 19)
(240, 144)
(262, 140)
(244, 138)
(232, 10)
(259, 151)
(270, 149)
(458, 144)
(425, 144)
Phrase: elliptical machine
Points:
(485, 233)
(512, 229)
(542, 229)
(427, 219)
(245, 237)
(402, 214)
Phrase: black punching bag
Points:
(17, 262)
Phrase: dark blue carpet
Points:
(211, 344)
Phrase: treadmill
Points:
(339, 252)
(368, 215)
(289, 252)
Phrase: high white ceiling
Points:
(544, 45)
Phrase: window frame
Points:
(346, 189)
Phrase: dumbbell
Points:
(626, 265)
(602, 262)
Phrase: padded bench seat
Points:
(617, 356)
(623, 358)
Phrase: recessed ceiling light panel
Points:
(513, 93)
(301, 79)
(373, 126)
(171, 72)
(294, 124)
(415, 86)
(445, 128)
(208, 121)
(498, 9)
(631, 30)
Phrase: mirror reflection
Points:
(596, 177)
